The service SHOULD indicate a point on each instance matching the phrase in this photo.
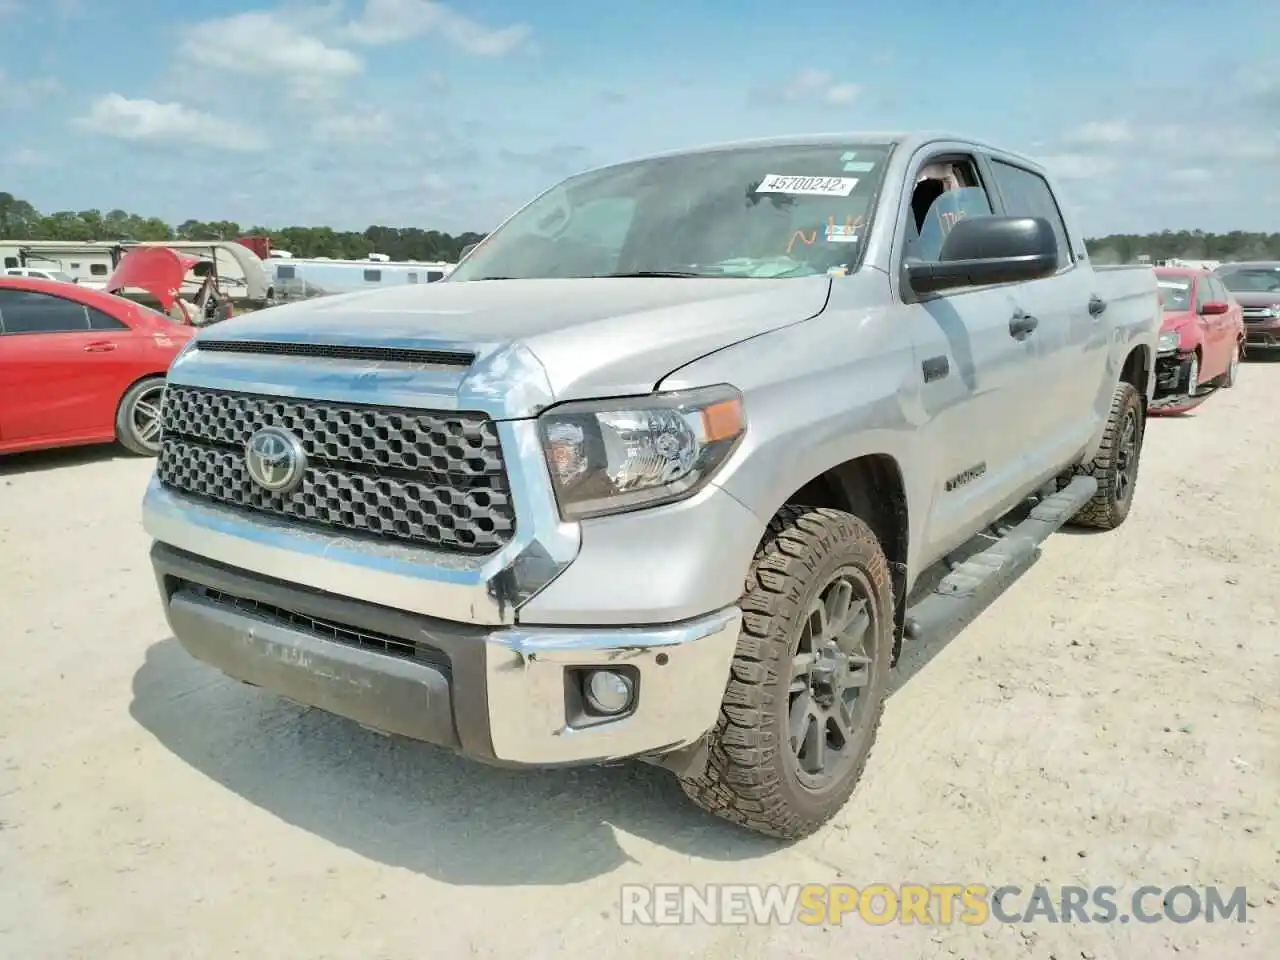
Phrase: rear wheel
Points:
(138, 417)
(1116, 464)
(808, 681)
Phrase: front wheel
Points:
(808, 680)
(1116, 464)
(1233, 371)
(138, 417)
(1193, 375)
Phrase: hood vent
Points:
(324, 351)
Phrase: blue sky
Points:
(447, 116)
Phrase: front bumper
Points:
(1262, 334)
(502, 695)
(1173, 387)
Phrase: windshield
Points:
(1252, 280)
(1175, 293)
(778, 211)
(59, 275)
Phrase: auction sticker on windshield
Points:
(808, 186)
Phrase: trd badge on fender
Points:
(275, 459)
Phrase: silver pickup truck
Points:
(659, 470)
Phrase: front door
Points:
(977, 370)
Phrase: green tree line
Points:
(19, 220)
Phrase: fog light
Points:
(608, 692)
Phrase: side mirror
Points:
(985, 250)
(1214, 308)
(466, 250)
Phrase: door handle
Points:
(1021, 325)
(102, 346)
(1096, 306)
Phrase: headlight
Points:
(610, 456)
(1169, 340)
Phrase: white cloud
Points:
(148, 121)
(1191, 176)
(266, 44)
(395, 21)
(352, 128)
(19, 91)
(25, 157)
(1077, 166)
(1102, 133)
(815, 86)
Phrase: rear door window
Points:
(24, 312)
(1027, 194)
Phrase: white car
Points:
(41, 274)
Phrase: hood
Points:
(593, 337)
(1176, 321)
(158, 271)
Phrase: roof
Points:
(89, 295)
(1183, 271)
(907, 140)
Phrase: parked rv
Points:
(87, 263)
(298, 279)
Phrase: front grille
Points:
(431, 478)
(1256, 314)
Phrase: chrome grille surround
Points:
(435, 478)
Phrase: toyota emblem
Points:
(275, 459)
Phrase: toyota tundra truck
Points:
(659, 470)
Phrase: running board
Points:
(973, 583)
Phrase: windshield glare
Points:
(1252, 280)
(1175, 294)
(750, 212)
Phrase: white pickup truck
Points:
(657, 472)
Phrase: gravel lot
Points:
(1114, 718)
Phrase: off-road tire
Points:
(126, 426)
(1104, 511)
(748, 780)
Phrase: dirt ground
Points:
(1112, 719)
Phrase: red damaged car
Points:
(80, 366)
(1201, 341)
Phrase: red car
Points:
(1201, 341)
(81, 366)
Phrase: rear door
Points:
(1234, 326)
(59, 377)
(1069, 340)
